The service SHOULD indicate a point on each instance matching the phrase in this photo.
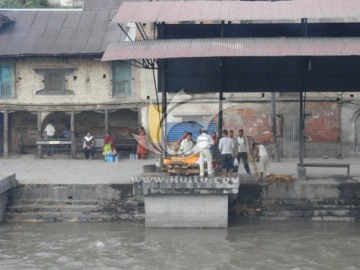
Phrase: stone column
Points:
(6, 133)
(106, 120)
(39, 133)
(73, 139)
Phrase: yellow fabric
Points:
(188, 160)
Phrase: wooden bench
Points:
(328, 165)
(59, 145)
(126, 144)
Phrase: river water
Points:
(113, 245)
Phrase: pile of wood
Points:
(180, 168)
(182, 165)
(185, 165)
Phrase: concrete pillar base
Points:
(186, 201)
(301, 172)
(201, 211)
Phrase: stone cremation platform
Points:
(172, 201)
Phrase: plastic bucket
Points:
(110, 158)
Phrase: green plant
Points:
(23, 4)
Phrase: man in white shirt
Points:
(203, 143)
(261, 153)
(49, 134)
(226, 147)
(242, 149)
(49, 130)
(187, 145)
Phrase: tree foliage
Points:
(23, 4)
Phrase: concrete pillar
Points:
(39, 132)
(73, 139)
(301, 172)
(199, 211)
(186, 201)
(6, 134)
(106, 120)
(3, 202)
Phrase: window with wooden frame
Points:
(7, 80)
(122, 81)
(54, 81)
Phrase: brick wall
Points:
(91, 82)
(254, 117)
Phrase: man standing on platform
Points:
(262, 155)
(203, 143)
(242, 149)
(234, 152)
(226, 147)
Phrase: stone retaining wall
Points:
(305, 200)
(299, 200)
(74, 203)
(6, 184)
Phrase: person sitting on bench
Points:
(89, 146)
(66, 134)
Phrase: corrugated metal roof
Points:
(4, 19)
(46, 32)
(103, 4)
(232, 47)
(173, 11)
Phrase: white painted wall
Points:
(186, 211)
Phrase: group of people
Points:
(110, 147)
(231, 148)
(50, 133)
(204, 146)
(89, 141)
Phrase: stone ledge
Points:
(158, 184)
(8, 183)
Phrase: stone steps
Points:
(31, 210)
(69, 210)
(44, 216)
(53, 202)
(73, 203)
(322, 212)
(25, 208)
(301, 219)
(311, 207)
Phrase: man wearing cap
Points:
(203, 143)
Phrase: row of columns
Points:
(39, 130)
